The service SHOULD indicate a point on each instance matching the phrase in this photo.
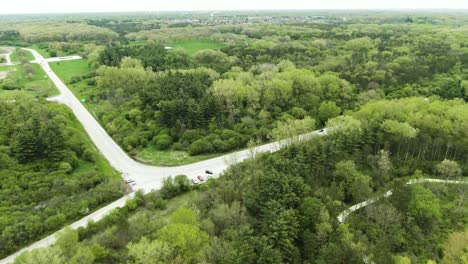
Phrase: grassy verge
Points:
(66, 70)
(192, 46)
(43, 52)
(100, 164)
(153, 156)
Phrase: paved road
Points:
(7, 57)
(342, 216)
(147, 177)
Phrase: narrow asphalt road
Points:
(342, 216)
(147, 177)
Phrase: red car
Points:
(200, 178)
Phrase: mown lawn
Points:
(69, 69)
(192, 46)
(157, 157)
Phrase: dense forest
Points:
(219, 100)
(282, 207)
(50, 173)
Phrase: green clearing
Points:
(66, 70)
(21, 55)
(157, 157)
(37, 84)
(192, 46)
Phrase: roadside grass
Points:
(41, 51)
(157, 157)
(69, 69)
(66, 70)
(37, 85)
(192, 46)
(99, 163)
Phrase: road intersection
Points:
(147, 178)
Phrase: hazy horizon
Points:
(107, 6)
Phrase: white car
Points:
(195, 181)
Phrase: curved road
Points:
(147, 177)
(342, 216)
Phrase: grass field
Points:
(38, 85)
(68, 69)
(157, 157)
(192, 46)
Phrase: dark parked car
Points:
(209, 172)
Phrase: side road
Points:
(342, 216)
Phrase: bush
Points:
(131, 204)
(55, 221)
(182, 182)
(163, 141)
(192, 135)
(91, 81)
(159, 203)
(88, 155)
(178, 146)
(175, 186)
(75, 79)
(199, 147)
(220, 146)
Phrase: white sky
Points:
(61, 6)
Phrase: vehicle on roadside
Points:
(195, 181)
(128, 180)
(321, 131)
(200, 178)
(209, 172)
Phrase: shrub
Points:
(178, 146)
(163, 141)
(199, 147)
(159, 203)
